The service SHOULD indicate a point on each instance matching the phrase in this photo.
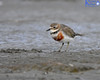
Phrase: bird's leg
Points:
(67, 47)
(61, 47)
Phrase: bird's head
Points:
(53, 27)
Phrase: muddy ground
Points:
(27, 52)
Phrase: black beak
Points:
(48, 30)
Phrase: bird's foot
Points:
(59, 50)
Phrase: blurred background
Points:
(25, 46)
(23, 23)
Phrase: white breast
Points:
(66, 38)
(54, 35)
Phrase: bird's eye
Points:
(54, 27)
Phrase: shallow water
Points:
(35, 36)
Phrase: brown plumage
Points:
(68, 31)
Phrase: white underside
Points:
(66, 38)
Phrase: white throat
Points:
(55, 34)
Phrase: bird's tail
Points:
(77, 34)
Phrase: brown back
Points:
(67, 30)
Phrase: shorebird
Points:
(62, 33)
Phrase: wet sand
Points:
(27, 52)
